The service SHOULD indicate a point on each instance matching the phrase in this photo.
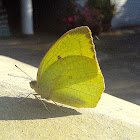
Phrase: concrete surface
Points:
(113, 118)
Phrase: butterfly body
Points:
(69, 73)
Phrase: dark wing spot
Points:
(70, 77)
(59, 57)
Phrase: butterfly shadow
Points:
(12, 108)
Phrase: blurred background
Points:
(62, 15)
(28, 28)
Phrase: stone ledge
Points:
(113, 118)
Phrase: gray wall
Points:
(128, 13)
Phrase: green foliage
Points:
(97, 14)
(106, 8)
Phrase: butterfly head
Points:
(33, 84)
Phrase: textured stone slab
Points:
(113, 118)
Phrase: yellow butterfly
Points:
(69, 72)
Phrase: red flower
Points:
(70, 19)
(85, 9)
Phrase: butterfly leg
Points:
(26, 96)
(35, 96)
(42, 102)
(55, 104)
(59, 106)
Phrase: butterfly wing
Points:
(69, 72)
(77, 41)
(73, 80)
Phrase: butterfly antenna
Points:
(97, 37)
(24, 72)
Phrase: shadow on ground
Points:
(12, 108)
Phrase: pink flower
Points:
(85, 9)
(87, 15)
(80, 14)
(70, 19)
